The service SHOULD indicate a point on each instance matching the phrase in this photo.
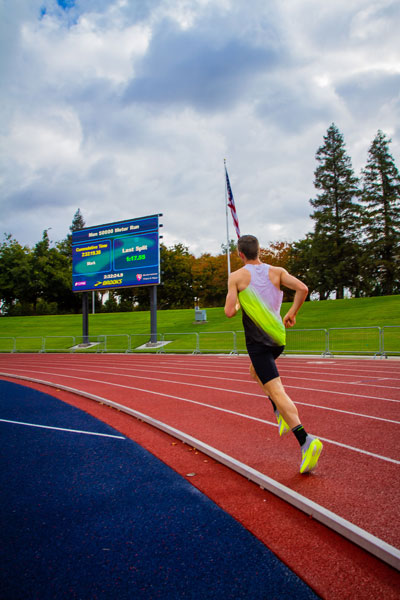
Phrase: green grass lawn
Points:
(355, 312)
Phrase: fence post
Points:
(234, 343)
(383, 352)
(161, 349)
(379, 353)
(197, 350)
(327, 352)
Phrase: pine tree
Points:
(335, 248)
(65, 246)
(70, 301)
(78, 222)
(381, 196)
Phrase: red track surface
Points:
(352, 405)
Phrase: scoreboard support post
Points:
(85, 317)
(153, 314)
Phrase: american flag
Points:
(231, 204)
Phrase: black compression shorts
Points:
(263, 360)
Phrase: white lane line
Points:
(117, 437)
(211, 406)
(336, 381)
(212, 368)
(245, 373)
(119, 374)
(283, 373)
(284, 361)
(230, 391)
(218, 389)
(351, 394)
(350, 531)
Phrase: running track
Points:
(352, 405)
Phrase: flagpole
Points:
(228, 254)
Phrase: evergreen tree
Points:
(381, 196)
(65, 246)
(78, 222)
(39, 269)
(70, 301)
(335, 247)
(299, 264)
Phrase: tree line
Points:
(354, 246)
(37, 281)
(355, 243)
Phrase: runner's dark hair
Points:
(249, 246)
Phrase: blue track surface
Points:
(95, 517)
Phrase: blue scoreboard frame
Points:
(116, 255)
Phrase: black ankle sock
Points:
(300, 433)
(273, 403)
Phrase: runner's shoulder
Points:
(277, 269)
(241, 278)
(240, 274)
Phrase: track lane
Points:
(370, 431)
(226, 429)
(377, 435)
(239, 371)
(245, 445)
(246, 385)
(243, 375)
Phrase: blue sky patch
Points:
(66, 4)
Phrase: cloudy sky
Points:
(125, 108)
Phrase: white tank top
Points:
(264, 287)
(261, 304)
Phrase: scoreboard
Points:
(116, 255)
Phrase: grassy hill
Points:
(354, 312)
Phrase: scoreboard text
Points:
(122, 254)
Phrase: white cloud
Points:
(44, 140)
(86, 50)
(124, 109)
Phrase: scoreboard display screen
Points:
(116, 255)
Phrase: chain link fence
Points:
(391, 340)
(368, 341)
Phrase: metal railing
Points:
(390, 340)
(29, 344)
(91, 343)
(142, 342)
(307, 341)
(223, 342)
(342, 340)
(180, 342)
(8, 344)
(57, 343)
(369, 341)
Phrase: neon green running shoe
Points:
(310, 454)
(283, 426)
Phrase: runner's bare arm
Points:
(232, 304)
(301, 291)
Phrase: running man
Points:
(256, 289)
